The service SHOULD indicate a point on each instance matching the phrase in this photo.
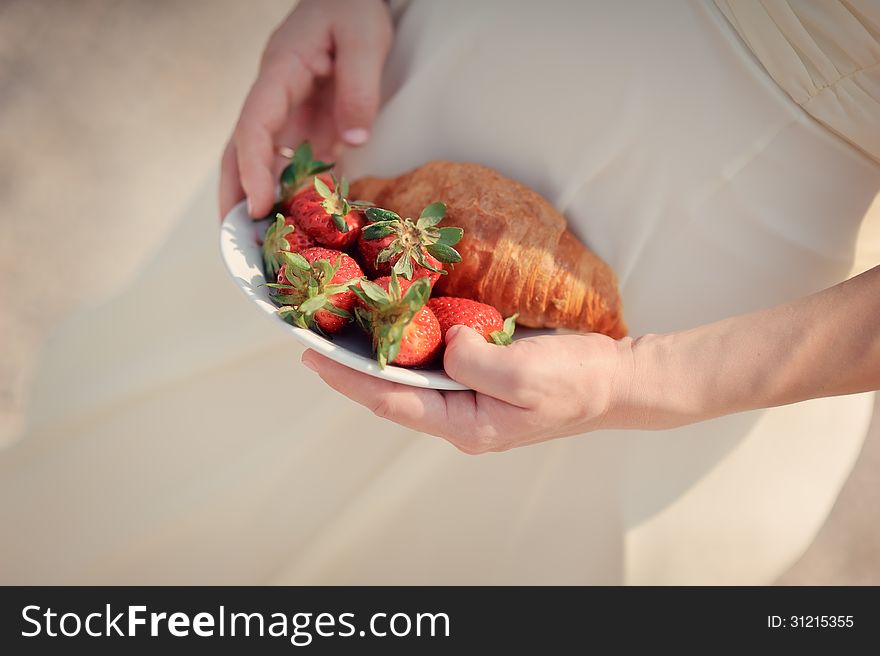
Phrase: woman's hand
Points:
(544, 387)
(535, 389)
(319, 80)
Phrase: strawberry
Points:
(393, 312)
(282, 235)
(325, 215)
(411, 249)
(313, 287)
(298, 240)
(301, 168)
(370, 249)
(485, 319)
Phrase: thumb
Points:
(465, 336)
(359, 63)
(484, 367)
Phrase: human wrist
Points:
(656, 386)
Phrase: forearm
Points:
(826, 344)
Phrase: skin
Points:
(541, 388)
(319, 80)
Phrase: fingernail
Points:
(250, 207)
(356, 136)
(311, 365)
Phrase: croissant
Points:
(517, 252)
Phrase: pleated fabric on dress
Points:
(825, 54)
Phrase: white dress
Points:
(174, 437)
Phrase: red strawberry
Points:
(393, 312)
(282, 235)
(411, 249)
(298, 240)
(485, 319)
(314, 288)
(370, 249)
(325, 215)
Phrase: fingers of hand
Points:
(473, 423)
(420, 409)
(503, 372)
(230, 185)
(278, 90)
(358, 38)
(477, 423)
(360, 55)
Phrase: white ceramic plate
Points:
(239, 245)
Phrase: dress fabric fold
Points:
(825, 54)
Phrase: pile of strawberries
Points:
(320, 246)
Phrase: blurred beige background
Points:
(111, 114)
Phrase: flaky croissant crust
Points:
(517, 252)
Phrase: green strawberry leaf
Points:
(361, 204)
(403, 267)
(302, 156)
(338, 311)
(273, 243)
(374, 293)
(294, 316)
(285, 299)
(300, 168)
(417, 294)
(357, 291)
(332, 290)
(313, 304)
(325, 269)
(322, 188)
(375, 214)
(451, 236)
(363, 319)
(339, 222)
(423, 262)
(394, 286)
(389, 339)
(291, 279)
(510, 324)
(344, 187)
(504, 337)
(389, 251)
(443, 252)
(500, 338)
(378, 230)
(434, 212)
(296, 261)
(288, 180)
(393, 350)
